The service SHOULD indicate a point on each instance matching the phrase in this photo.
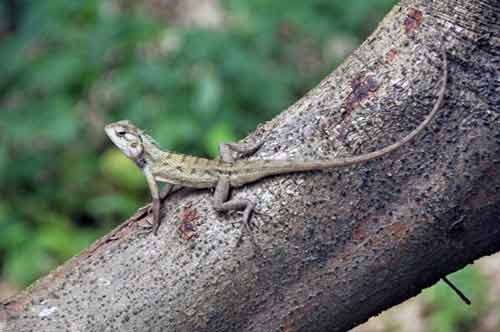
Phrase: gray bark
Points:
(333, 248)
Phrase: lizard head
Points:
(127, 137)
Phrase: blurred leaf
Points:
(218, 134)
(176, 128)
(208, 93)
(110, 205)
(24, 264)
(450, 314)
(57, 237)
(121, 170)
(57, 71)
(14, 232)
(3, 159)
(50, 121)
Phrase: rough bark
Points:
(335, 247)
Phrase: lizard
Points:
(180, 170)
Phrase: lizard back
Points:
(190, 171)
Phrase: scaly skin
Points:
(178, 170)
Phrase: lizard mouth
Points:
(109, 132)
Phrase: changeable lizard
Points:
(178, 170)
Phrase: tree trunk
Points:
(333, 248)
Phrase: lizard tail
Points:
(280, 167)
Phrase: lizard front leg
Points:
(156, 205)
(169, 189)
(151, 208)
(220, 202)
(155, 195)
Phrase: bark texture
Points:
(335, 247)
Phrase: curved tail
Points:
(280, 167)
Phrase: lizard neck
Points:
(151, 153)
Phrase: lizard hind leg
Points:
(221, 202)
(225, 150)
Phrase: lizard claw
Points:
(148, 225)
(146, 228)
(257, 220)
(247, 213)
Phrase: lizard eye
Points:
(121, 133)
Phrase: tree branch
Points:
(336, 247)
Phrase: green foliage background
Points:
(69, 67)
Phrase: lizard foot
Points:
(247, 214)
(149, 225)
(145, 229)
